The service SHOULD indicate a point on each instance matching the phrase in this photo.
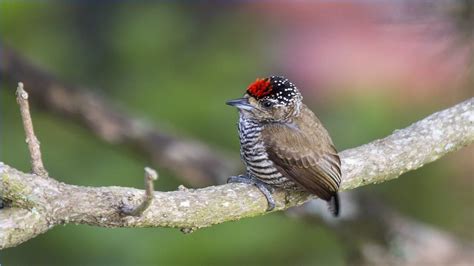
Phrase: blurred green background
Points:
(176, 64)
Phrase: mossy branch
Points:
(50, 202)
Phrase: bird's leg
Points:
(266, 189)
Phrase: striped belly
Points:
(255, 157)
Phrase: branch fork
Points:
(54, 203)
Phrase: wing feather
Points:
(303, 157)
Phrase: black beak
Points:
(241, 103)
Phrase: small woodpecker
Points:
(283, 144)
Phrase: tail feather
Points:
(334, 205)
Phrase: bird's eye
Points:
(267, 104)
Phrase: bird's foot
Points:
(266, 189)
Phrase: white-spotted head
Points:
(270, 99)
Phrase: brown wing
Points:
(304, 152)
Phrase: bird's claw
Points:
(266, 190)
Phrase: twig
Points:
(376, 162)
(33, 143)
(150, 176)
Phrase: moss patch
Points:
(15, 193)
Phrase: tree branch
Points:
(379, 231)
(378, 161)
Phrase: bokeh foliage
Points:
(176, 64)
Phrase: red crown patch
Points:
(260, 88)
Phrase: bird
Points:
(284, 145)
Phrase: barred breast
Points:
(255, 157)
